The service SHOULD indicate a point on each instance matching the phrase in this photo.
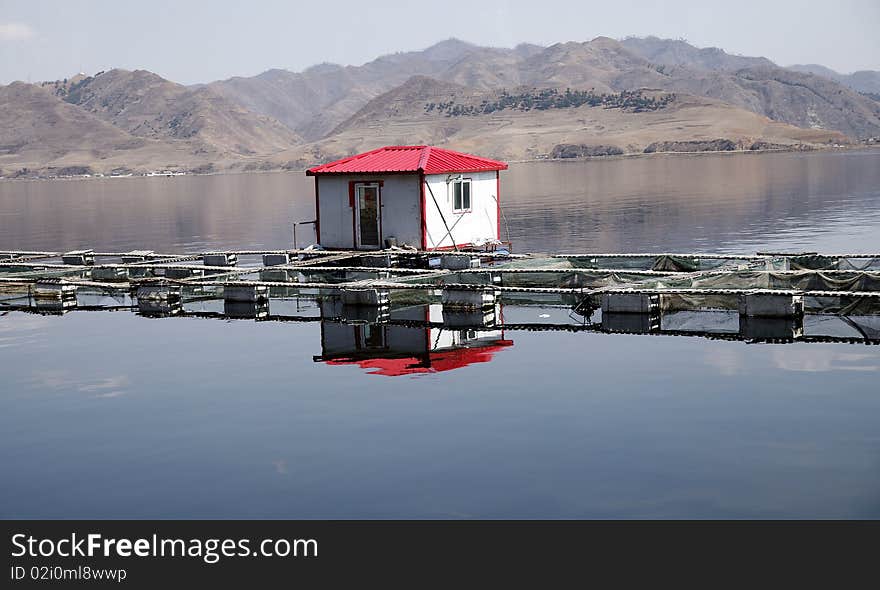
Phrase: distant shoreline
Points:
(813, 150)
(633, 155)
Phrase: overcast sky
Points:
(200, 41)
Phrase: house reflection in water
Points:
(418, 340)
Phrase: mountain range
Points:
(864, 81)
(632, 95)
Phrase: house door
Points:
(367, 226)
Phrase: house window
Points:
(461, 195)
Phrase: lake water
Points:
(113, 415)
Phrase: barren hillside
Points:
(530, 123)
(40, 131)
(318, 100)
(146, 105)
(865, 81)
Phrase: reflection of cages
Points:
(159, 307)
(359, 314)
(246, 293)
(480, 318)
(53, 296)
(158, 299)
(701, 322)
(771, 328)
(246, 309)
(334, 308)
(54, 305)
(631, 323)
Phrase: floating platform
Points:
(637, 293)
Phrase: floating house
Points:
(415, 195)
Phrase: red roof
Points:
(408, 158)
(438, 361)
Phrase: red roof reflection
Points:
(444, 360)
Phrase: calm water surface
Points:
(106, 415)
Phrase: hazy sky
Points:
(199, 41)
